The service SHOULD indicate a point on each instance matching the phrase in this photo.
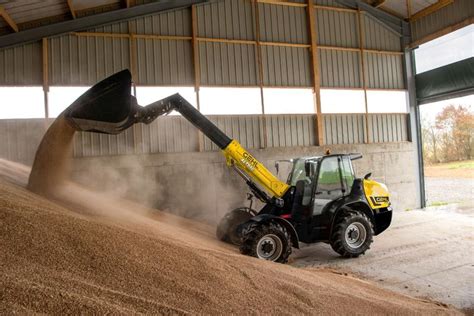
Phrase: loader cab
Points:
(318, 183)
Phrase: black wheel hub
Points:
(267, 247)
(353, 234)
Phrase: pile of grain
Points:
(61, 260)
(79, 252)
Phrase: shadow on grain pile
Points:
(74, 251)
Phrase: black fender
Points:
(360, 206)
(262, 218)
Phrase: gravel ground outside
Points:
(449, 190)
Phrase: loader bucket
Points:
(108, 107)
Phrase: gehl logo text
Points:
(249, 161)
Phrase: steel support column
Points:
(415, 126)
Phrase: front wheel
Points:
(268, 241)
(352, 234)
(226, 229)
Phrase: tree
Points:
(430, 141)
(455, 133)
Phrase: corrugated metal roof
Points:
(34, 13)
(22, 11)
(87, 4)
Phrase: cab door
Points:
(330, 185)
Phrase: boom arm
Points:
(108, 107)
(236, 156)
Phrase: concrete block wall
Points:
(199, 185)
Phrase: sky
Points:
(445, 50)
(430, 110)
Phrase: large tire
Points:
(270, 241)
(226, 229)
(352, 234)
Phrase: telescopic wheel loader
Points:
(322, 201)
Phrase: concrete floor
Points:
(425, 253)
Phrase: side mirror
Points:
(367, 176)
(277, 166)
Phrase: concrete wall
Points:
(199, 185)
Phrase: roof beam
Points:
(86, 22)
(127, 3)
(408, 9)
(8, 19)
(398, 25)
(431, 9)
(377, 3)
(71, 8)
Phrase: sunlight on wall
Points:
(230, 101)
(147, 95)
(289, 101)
(387, 101)
(28, 102)
(60, 98)
(342, 101)
(21, 102)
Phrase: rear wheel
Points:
(268, 241)
(352, 234)
(227, 227)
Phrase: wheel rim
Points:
(356, 235)
(269, 247)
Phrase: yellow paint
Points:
(236, 155)
(376, 193)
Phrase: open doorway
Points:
(445, 93)
(448, 147)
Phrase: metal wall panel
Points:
(280, 23)
(165, 135)
(94, 144)
(286, 66)
(79, 60)
(378, 36)
(339, 68)
(451, 14)
(290, 130)
(173, 23)
(164, 62)
(227, 64)
(328, 3)
(343, 128)
(337, 28)
(231, 19)
(19, 139)
(121, 27)
(21, 65)
(244, 128)
(384, 128)
(384, 71)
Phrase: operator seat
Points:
(301, 210)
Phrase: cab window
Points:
(329, 179)
(347, 173)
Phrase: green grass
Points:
(461, 165)
(438, 204)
